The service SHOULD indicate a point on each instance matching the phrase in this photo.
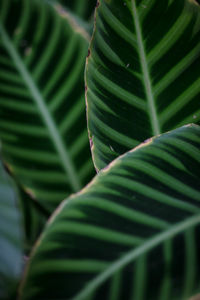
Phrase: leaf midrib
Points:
(146, 76)
(133, 254)
(57, 140)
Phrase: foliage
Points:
(11, 236)
(132, 231)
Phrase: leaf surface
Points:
(81, 8)
(11, 236)
(142, 74)
(42, 108)
(132, 233)
(34, 219)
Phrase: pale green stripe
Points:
(9, 137)
(91, 96)
(72, 115)
(140, 275)
(53, 196)
(117, 91)
(80, 7)
(166, 285)
(86, 169)
(41, 176)
(194, 117)
(124, 212)
(97, 233)
(117, 26)
(10, 76)
(190, 263)
(145, 69)
(189, 149)
(91, 296)
(72, 80)
(5, 60)
(62, 64)
(144, 9)
(167, 180)
(114, 135)
(32, 155)
(134, 254)
(68, 265)
(79, 143)
(14, 90)
(49, 51)
(38, 34)
(22, 26)
(163, 152)
(4, 10)
(145, 190)
(179, 103)
(106, 49)
(115, 286)
(169, 38)
(19, 105)
(174, 72)
(99, 146)
(192, 135)
(18, 128)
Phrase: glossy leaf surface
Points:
(143, 73)
(132, 233)
(11, 236)
(42, 107)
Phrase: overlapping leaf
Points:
(11, 237)
(133, 233)
(42, 107)
(143, 73)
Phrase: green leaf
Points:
(42, 108)
(34, 219)
(81, 8)
(132, 233)
(11, 236)
(143, 73)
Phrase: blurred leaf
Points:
(83, 8)
(11, 237)
(143, 73)
(132, 233)
(34, 219)
(42, 108)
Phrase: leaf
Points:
(11, 237)
(34, 219)
(81, 8)
(42, 108)
(132, 233)
(143, 73)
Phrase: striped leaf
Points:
(132, 233)
(34, 219)
(42, 108)
(82, 8)
(143, 73)
(11, 236)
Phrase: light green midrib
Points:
(135, 254)
(66, 162)
(147, 81)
